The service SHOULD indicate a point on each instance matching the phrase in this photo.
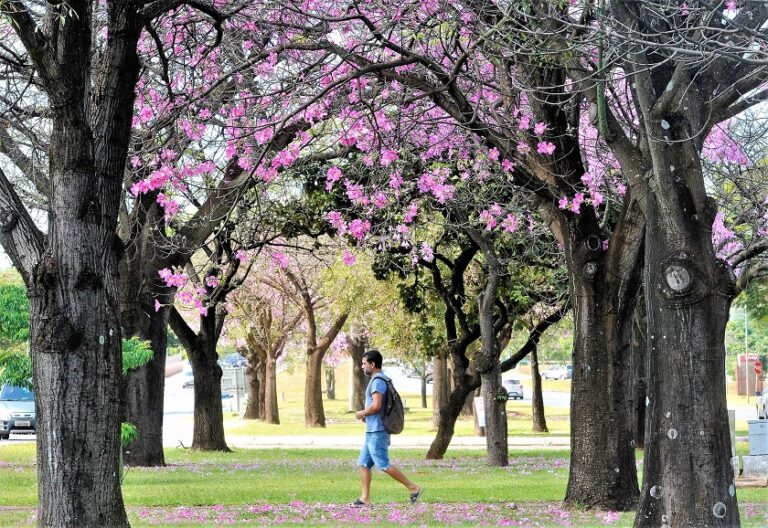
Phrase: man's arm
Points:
(373, 408)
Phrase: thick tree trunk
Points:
(208, 428)
(688, 479)
(144, 387)
(255, 387)
(357, 347)
(537, 400)
(271, 412)
(330, 383)
(486, 361)
(314, 414)
(603, 288)
(495, 417)
(440, 385)
(75, 346)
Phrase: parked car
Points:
(233, 360)
(560, 373)
(514, 389)
(17, 411)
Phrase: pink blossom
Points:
(563, 203)
(336, 220)
(358, 228)
(410, 213)
(333, 175)
(540, 128)
(157, 305)
(388, 156)
(523, 147)
(280, 259)
(545, 147)
(427, 252)
(241, 255)
(578, 199)
(396, 180)
(509, 224)
(212, 281)
(173, 280)
(507, 165)
(348, 258)
(493, 154)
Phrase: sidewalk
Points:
(398, 442)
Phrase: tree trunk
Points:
(75, 345)
(314, 414)
(603, 288)
(486, 361)
(271, 412)
(424, 391)
(330, 383)
(638, 367)
(208, 429)
(255, 387)
(357, 348)
(440, 385)
(687, 477)
(537, 400)
(447, 417)
(495, 417)
(144, 387)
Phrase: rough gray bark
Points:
(688, 297)
(638, 368)
(486, 361)
(71, 274)
(441, 388)
(208, 426)
(357, 346)
(271, 410)
(602, 472)
(537, 400)
(330, 383)
(257, 372)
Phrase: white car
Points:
(559, 373)
(514, 389)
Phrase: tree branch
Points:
(19, 235)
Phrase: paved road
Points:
(177, 426)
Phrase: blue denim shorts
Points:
(375, 451)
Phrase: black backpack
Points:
(394, 412)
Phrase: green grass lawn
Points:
(315, 487)
(340, 421)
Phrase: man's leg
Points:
(365, 480)
(398, 475)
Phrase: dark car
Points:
(17, 411)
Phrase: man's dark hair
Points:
(374, 356)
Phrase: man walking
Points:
(375, 450)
